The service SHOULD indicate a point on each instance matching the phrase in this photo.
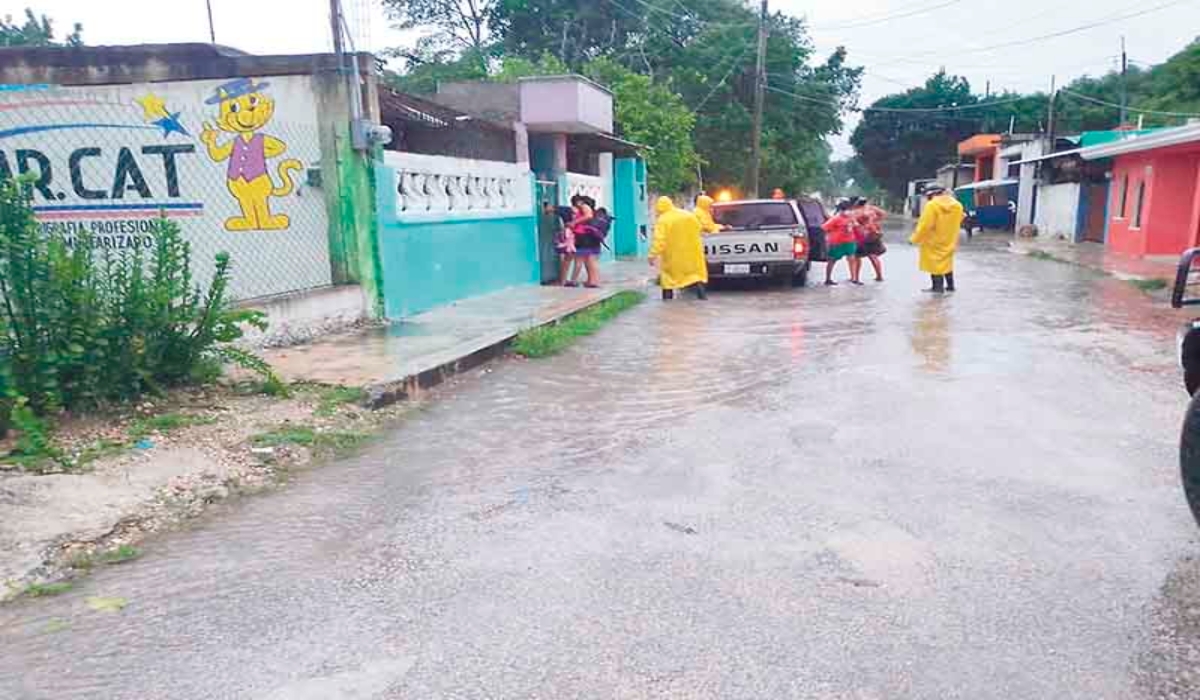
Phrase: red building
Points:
(1154, 192)
(983, 148)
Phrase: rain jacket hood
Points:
(678, 246)
(704, 214)
(937, 234)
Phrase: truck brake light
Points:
(799, 247)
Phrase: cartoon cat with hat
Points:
(244, 111)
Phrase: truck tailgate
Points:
(749, 246)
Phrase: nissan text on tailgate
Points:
(761, 238)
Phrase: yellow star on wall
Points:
(153, 106)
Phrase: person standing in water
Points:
(678, 250)
(841, 241)
(936, 235)
(870, 221)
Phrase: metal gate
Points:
(548, 226)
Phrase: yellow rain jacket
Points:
(704, 214)
(937, 234)
(678, 245)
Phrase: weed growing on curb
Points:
(1152, 284)
(323, 442)
(552, 339)
(45, 590)
(120, 555)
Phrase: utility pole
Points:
(1124, 85)
(760, 79)
(1050, 116)
(335, 22)
(212, 32)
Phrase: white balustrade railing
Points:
(440, 185)
(590, 186)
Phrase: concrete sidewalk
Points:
(397, 361)
(1095, 256)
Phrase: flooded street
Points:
(861, 493)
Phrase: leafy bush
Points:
(79, 328)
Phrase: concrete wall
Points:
(566, 104)
(111, 158)
(630, 207)
(496, 101)
(1169, 213)
(303, 316)
(312, 120)
(1058, 210)
(440, 247)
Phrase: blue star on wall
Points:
(170, 124)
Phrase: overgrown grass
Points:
(120, 555)
(331, 398)
(37, 453)
(45, 590)
(165, 423)
(324, 442)
(1152, 284)
(552, 339)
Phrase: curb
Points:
(487, 348)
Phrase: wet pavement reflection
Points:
(815, 493)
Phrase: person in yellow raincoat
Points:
(703, 212)
(937, 236)
(678, 250)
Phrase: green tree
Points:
(421, 73)
(898, 146)
(645, 112)
(650, 113)
(702, 51)
(36, 31)
(459, 26)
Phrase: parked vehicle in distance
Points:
(763, 238)
(1189, 361)
(814, 216)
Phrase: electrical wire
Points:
(1130, 108)
(1072, 30)
(855, 24)
(721, 82)
(911, 110)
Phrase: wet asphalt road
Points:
(823, 493)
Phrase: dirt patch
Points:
(125, 475)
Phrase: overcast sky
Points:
(897, 50)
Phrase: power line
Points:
(1073, 30)
(693, 18)
(1115, 105)
(902, 110)
(854, 24)
(725, 77)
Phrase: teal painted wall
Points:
(629, 207)
(429, 263)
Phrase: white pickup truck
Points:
(762, 238)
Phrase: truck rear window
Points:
(752, 215)
(814, 213)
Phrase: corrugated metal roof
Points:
(984, 184)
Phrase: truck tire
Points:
(1189, 457)
(800, 279)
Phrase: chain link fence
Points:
(234, 162)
